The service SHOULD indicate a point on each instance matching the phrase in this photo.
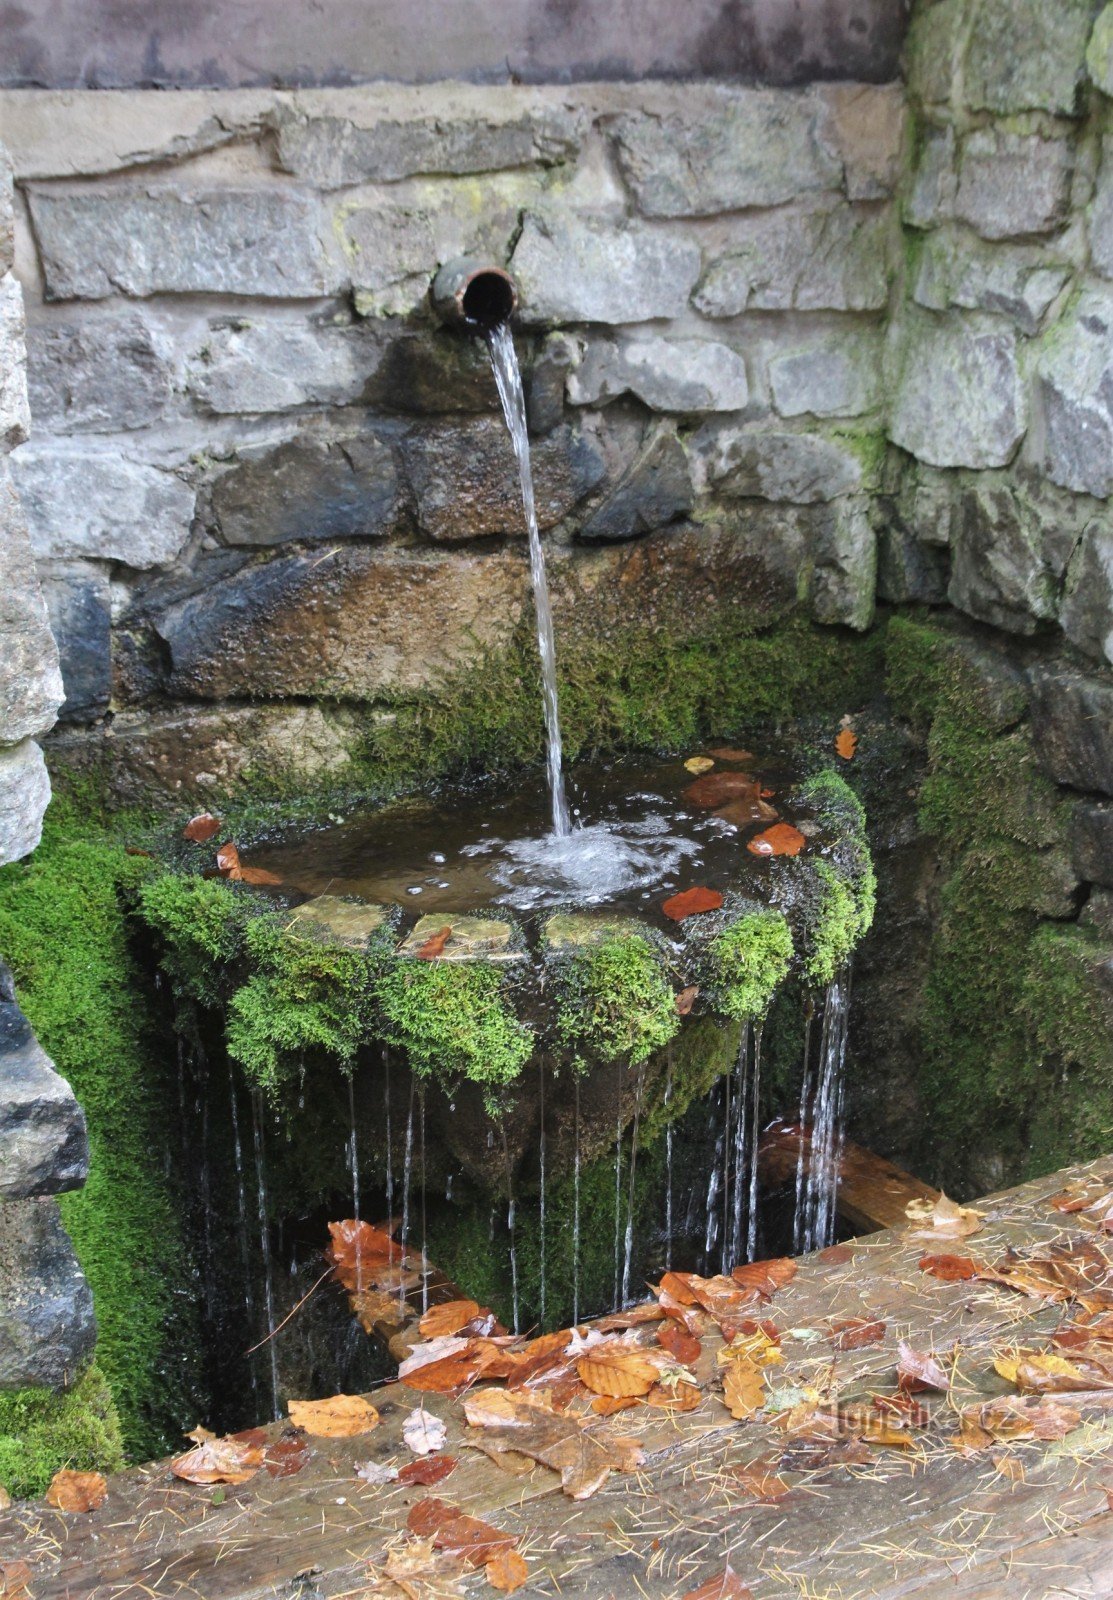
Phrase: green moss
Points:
(200, 923)
(63, 930)
(847, 884)
(615, 1001)
(705, 1048)
(41, 1431)
(453, 1020)
(745, 963)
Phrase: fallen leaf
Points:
(15, 1580)
(258, 875)
(1015, 1417)
(942, 1219)
(452, 1529)
(717, 788)
(605, 1405)
(854, 1333)
(413, 1572)
(698, 764)
(766, 1277)
(5, 1499)
(917, 1371)
(378, 1473)
(359, 1253)
(1009, 1467)
(678, 1397)
(725, 1585)
(506, 1571)
(761, 1480)
(77, 1491)
(585, 1459)
(836, 1255)
(752, 1345)
(679, 1343)
(685, 999)
(228, 861)
(743, 1389)
(744, 813)
(846, 742)
(284, 1457)
(782, 839)
(434, 945)
(728, 753)
(447, 1318)
(424, 1434)
(342, 1416)
(690, 903)
(617, 1372)
(201, 828)
(951, 1269)
(219, 1461)
(427, 1470)
(675, 1284)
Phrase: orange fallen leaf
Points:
(846, 742)
(452, 1529)
(854, 1333)
(676, 1398)
(77, 1491)
(449, 1317)
(725, 752)
(605, 1405)
(951, 1269)
(782, 839)
(836, 1255)
(201, 828)
(942, 1219)
(743, 1389)
(616, 1372)
(725, 1585)
(690, 903)
(219, 1461)
(341, 1416)
(680, 1344)
(761, 1480)
(506, 1571)
(258, 875)
(15, 1580)
(685, 999)
(918, 1370)
(427, 1470)
(228, 860)
(766, 1277)
(717, 788)
(744, 813)
(434, 945)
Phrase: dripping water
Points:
(424, 1227)
(617, 1184)
(741, 1112)
(353, 1171)
(576, 1197)
(668, 1165)
(508, 378)
(241, 1217)
(629, 1241)
(510, 1226)
(724, 1181)
(389, 1152)
(541, 1152)
(265, 1246)
(755, 1139)
(407, 1173)
(805, 1093)
(824, 1118)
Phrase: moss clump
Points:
(453, 1020)
(847, 883)
(615, 1001)
(201, 923)
(64, 932)
(744, 964)
(41, 1431)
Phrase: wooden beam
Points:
(873, 1192)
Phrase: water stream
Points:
(508, 378)
(815, 1212)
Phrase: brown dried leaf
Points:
(951, 1269)
(766, 1277)
(854, 1333)
(15, 1580)
(719, 788)
(584, 1459)
(726, 752)
(452, 1529)
(761, 1480)
(680, 1344)
(685, 999)
(846, 742)
(259, 875)
(617, 1372)
(427, 1470)
(782, 839)
(917, 1371)
(743, 1389)
(228, 861)
(434, 945)
(201, 828)
(691, 903)
(942, 1219)
(1015, 1417)
(507, 1571)
(447, 1318)
(219, 1461)
(77, 1491)
(341, 1416)
(725, 1585)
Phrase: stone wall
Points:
(30, 684)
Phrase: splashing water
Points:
(508, 379)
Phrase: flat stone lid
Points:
(471, 939)
(347, 921)
(577, 930)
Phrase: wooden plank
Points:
(873, 1192)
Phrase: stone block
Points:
(1073, 442)
(1013, 183)
(1099, 52)
(30, 682)
(908, 569)
(827, 257)
(334, 152)
(79, 606)
(734, 150)
(999, 571)
(313, 487)
(957, 396)
(43, 1144)
(866, 126)
(681, 375)
(844, 552)
(1072, 725)
(577, 271)
(430, 372)
(96, 242)
(15, 417)
(341, 921)
(1027, 56)
(931, 194)
(837, 375)
(996, 689)
(471, 939)
(740, 462)
(279, 363)
(933, 50)
(464, 478)
(569, 931)
(24, 797)
(7, 213)
(544, 381)
(1101, 214)
(1091, 842)
(1086, 613)
(47, 1326)
(99, 374)
(654, 491)
(1097, 913)
(1021, 282)
(86, 502)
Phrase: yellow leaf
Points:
(506, 1571)
(743, 1389)
(698, 764)
(341, 1417)
(757, 1347)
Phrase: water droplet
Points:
(414, 888)
(437, 859)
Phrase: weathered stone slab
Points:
(681, 375)
(1099, 52)
(569, 931)
(908, 569)
(464, 478)
(1101, 214)
(98, 374)
(7, 213)
(43, 1145)
(79, 606)
(931, 195)
(830, 257)
(654, 491)
(845, 554)
(343, 921)
(15, 417)
(24, 796)
(30, 683)
(837, 375)
(954, 268)
(86, 502)
(472, 938)
(241, 241)
(1072, 724)
(743, 148)
(279, 363)
(866, 125)
(1027, 56)
(1074, 391)
(333, 152)
(957, 399)
(1000, 571)
(740, 462)
(312, 487)
(1004, 184)
(1091, 840)
(427, 372)
(47, 1327)
(577, 271)
(933, 50)
(1086, 614)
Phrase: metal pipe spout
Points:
(474, 294)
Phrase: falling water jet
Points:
(725, 1180)
(241, 1216)
(629, 1242)
(805, 1091)
(755, 1139)
(407, 1173)
(741, 1112)
(617, 1184)
(389, 1153)
(265, 1246)
(576, 1197)
(424, 1227)
(541, 1152)
(511, 1226)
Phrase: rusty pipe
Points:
(474, 294)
